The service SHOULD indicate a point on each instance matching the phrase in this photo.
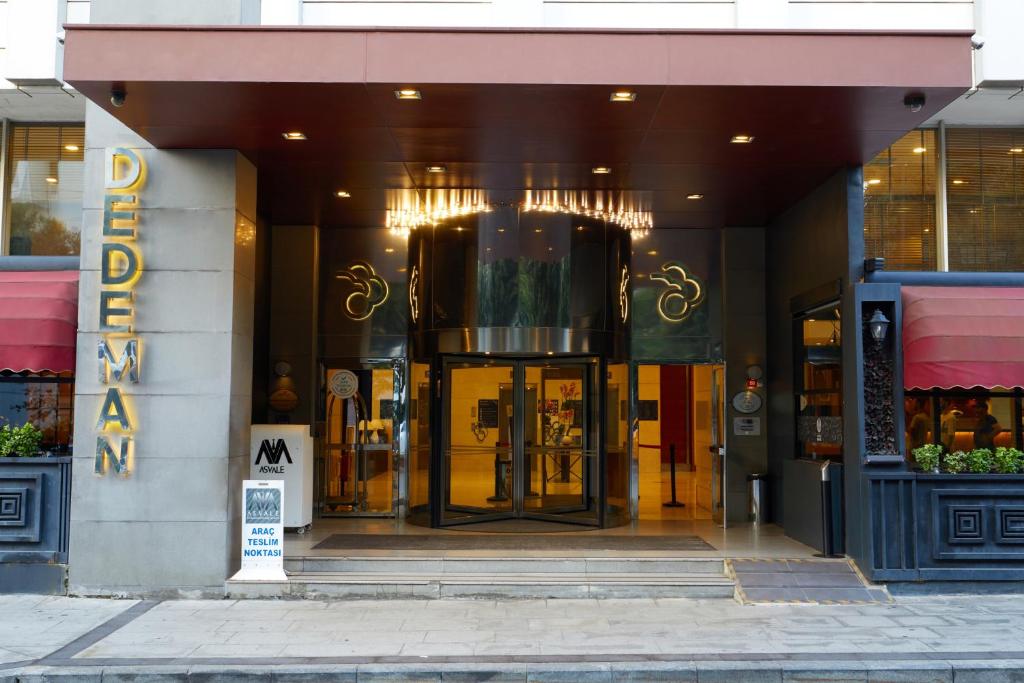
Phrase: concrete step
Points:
(507, 585)
(504, 565)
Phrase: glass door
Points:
(520, 440)
(358, 441)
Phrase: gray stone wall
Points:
(171, 524)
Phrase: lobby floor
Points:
(743, 541)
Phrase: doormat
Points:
(815, 582)
(477, 541)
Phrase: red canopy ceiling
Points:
(963, 337)
(38, 321)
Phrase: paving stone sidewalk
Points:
(963, 638)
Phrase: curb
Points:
(683, 671)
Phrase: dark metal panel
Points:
(677, 297)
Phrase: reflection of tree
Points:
(40, 232)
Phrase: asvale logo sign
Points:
(272, 451)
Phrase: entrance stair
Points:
(494, 577)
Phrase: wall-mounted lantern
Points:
(878, 326)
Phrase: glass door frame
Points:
(719, 459)
(399, 438)
(440, 475)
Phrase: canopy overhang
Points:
(38, 321)
(963, 337)
(514, 110)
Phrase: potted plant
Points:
(955, 462)
(979, 461)
(1008, 460)
(20, 441)
(927, 457)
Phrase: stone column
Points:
(169, 521)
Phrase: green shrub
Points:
(955, 462)
(20, 441)
(927, 456)
(1009, 460)
(979, 461)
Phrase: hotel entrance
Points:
(520, 440)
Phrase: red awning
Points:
(963, 337)
(38, 320)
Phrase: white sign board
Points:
(344, 384)
(746, 426)
(262, 532)
(285, 453)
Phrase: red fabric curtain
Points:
(963, 337)
(38, 320)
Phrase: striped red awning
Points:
(963, 337)
(38, 320)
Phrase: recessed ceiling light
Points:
(959, 182)
(501, 229)
(1017, 150)
(538, 230)
(459, 229)
(437, 168)
(402, 270)
(652, 252)
(389, 250)
(408, 94)
(920, 150)
(72, 148)
(875, 181)
(51, 180)
(601, 170)
(580, 228)
(623, 96)
(551, 353)
(741, 139)
(294, 135)
(343, 194)
(695, 196)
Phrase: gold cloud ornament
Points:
(369, 290)
(682, 295)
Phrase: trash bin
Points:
(757, 496)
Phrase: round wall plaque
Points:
(746, 402)
(344, 384)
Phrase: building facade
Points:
(516, 261)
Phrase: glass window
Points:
(963, 420)
(985, 185)
(819, 384)
(45, 166)
(46, 402)
(899, 203)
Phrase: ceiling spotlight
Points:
(741, 139)
(294, 135)
(875, 181)
(652, 252)
(959, 182)
(538, 230)
(72, 148)
(601, 170)
(623, 96)
(695, 196)
(51, 180)
(1017, 150)
(343, 194)
(437, 168)
(389, 250)
(920, 150)
(408, 94)
(501, 229)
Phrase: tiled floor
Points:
(742, 541)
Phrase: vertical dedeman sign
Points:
(118, 349)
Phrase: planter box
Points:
(35, 503)
(946, 527)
